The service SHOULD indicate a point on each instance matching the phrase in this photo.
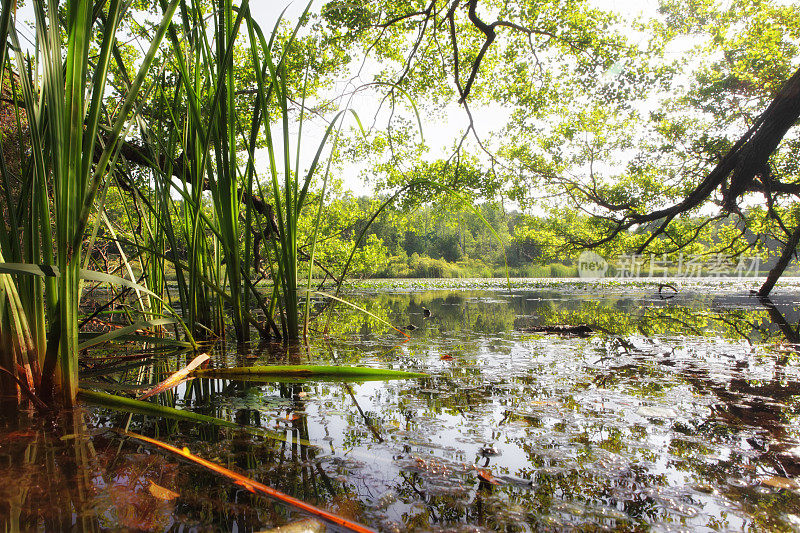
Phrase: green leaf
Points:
(307, 372)
(43, 271)
(93, 275)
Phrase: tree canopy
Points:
(651, 126)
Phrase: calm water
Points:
(679, 414)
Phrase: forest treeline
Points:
(452, 239)
(448, 238)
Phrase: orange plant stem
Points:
(255, 486)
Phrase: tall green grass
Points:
(224, 204)
(62, 82)
(212, 202)
(290, 188)
(198, 203)
(204, 138)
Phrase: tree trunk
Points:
(780, 266)
(772, 126)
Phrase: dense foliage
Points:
(649, 126)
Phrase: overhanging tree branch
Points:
(745, 161)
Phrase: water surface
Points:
(678, 414)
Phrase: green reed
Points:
(199, 207)
(217, 153)
(62, 84)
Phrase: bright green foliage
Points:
(448, 240)
(606, 116)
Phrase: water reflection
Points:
(681, 413)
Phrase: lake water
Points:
(677, 414)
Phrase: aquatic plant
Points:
(201, 209)
(73, 140)
(236, 227)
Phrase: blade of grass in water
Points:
(112, 401)
(309, 371)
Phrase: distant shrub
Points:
(396, 266)
(534, 271)
(562, 271)
(417, 266)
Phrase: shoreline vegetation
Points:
(744, 287)
(424, 267)
(442, 240)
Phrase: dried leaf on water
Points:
(176, 378)
(162, 493)
(487, 476)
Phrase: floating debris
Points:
(490, 451)
(580, 330)
(779, 482)
(162, 493)
(667, 291)
(486, 475)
